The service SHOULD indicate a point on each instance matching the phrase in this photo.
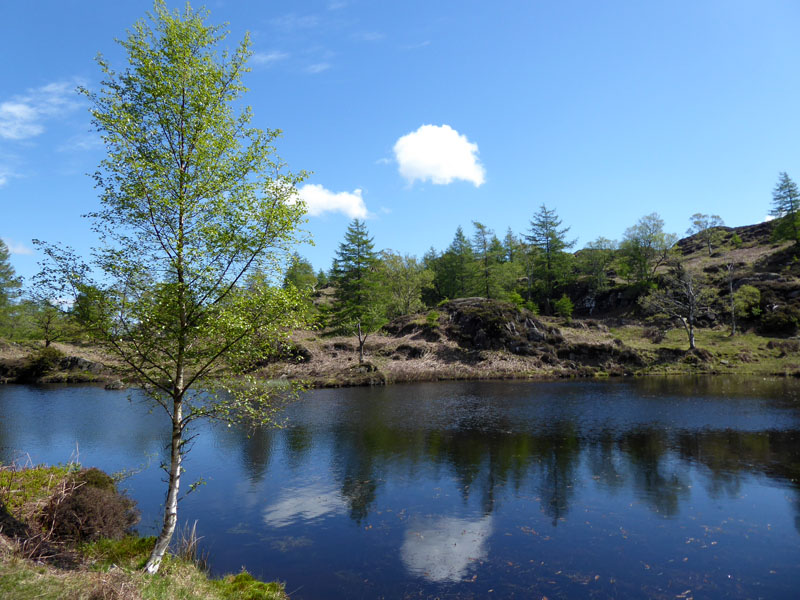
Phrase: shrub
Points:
(90, 508)
(432, 319)
(782, 321)
(532, 306)
(654, 334)
(746, 300)
(563, 307)
(42, 362)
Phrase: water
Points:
(656, 487)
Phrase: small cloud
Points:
(416, 46)
(768, 218)
(17, 247)
(81, 142)
(439, 154)
(383, 161)
(23, 116)
(369, 36)
(269, 58)
(6, 174)
(293, 22)
(337, 5)
(385, 210)
(318, 68)
(320, 200)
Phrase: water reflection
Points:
(443, 548)
(435, 488)
(307, 503)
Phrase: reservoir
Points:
(652, 487)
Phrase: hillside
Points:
(475, 338)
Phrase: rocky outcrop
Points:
(481, 324)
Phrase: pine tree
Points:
(551, 263)
(8, 279)
(359, 306)
(786, 209)
(455, 268)
(486, 257)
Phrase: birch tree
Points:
(192, 199)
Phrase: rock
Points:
(115, 385)
(76, 363)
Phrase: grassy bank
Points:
(36, 563)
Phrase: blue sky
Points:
(422, 116)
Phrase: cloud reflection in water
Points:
(305, 503)
(442, 549)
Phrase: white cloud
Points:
(81, 142)
(442, 549)
(308, 503)
(292, 22)
(768, 218)
(5, 175)
(23, 116)
(440, 154)
(369, 36)
(17, 247)
(320, 200)
(269, 58)
(318, 68)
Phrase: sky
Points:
(422, 116)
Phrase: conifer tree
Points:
(786, 209)
(486, 256)
(551, 264)
(359, 307)
(8, 279)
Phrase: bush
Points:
(91, 508)
(42, 362)
(655, 334)
(563, 307)
(432, 319)
(746, 301)
(782, 321)
(532, 306)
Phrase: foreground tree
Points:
(360, 305)
(192, 199)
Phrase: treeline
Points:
(535, 269)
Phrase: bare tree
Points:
(681, 297)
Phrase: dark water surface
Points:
(663, 488)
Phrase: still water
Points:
(662, 488)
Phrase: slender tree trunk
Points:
(361, 341)
(733, 303)
(171, 505)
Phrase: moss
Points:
(245, 587)
(130, 550)
(19, 487)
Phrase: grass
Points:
(104, 569)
